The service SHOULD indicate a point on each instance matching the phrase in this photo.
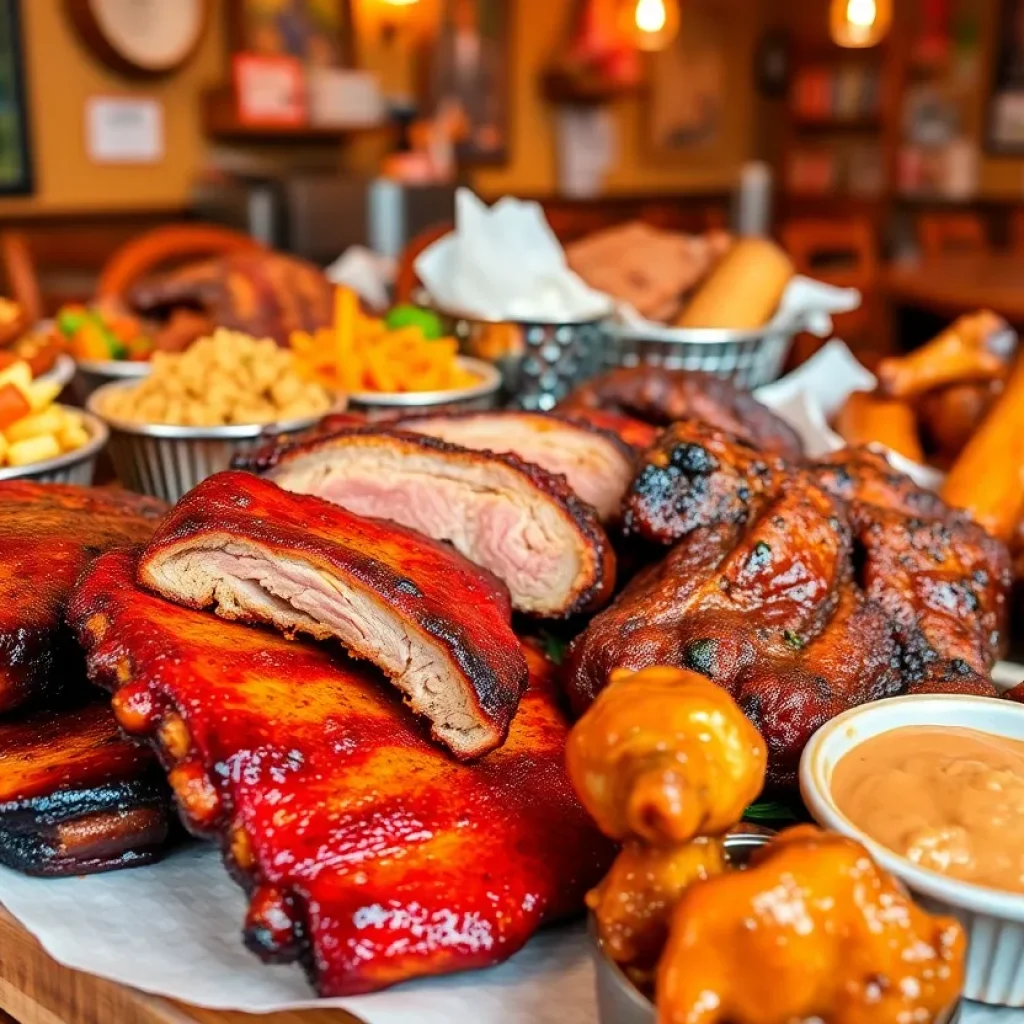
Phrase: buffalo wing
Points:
(369, 855)
(437, 625)
(812, 930)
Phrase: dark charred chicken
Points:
(368, 853)
(803, 590)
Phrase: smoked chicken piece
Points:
(663, 759)
(76, 797)
(597, 465)
(265, 294)
(769, 611)
(509, 516)
(436, 625)
(942, 580)
(48, 534)
(812, 930)
(369, 855)
(659, 396)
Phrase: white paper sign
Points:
(124, 130)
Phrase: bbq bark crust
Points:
(437, 625)
(48, 534)
(76, 797)
(368, 854)
(509, 516)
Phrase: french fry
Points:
(987, 480)
(39, 424)
(34, 449)
(867, 419)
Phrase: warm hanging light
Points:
(651, 24)
(859, 23)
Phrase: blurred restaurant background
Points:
(869, 137)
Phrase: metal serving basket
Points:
(750, 358)
(167, 461)
(540, 363)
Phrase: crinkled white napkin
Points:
(504, 263)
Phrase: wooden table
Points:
(37, 990)
(958, 284)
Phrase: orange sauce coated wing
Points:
(811, 929)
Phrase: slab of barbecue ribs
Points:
(509, 516)
(804, 590)
(76, 797)
(437, 625)
(48, 534)
(368, 853)
(654, 395)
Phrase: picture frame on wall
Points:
(1004, 134)
(467, 79)
(15, 154)
(698, 104)
(317, 33)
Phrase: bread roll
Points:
(744, 290)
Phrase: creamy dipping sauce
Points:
(948, 799)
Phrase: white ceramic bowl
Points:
(992, 919)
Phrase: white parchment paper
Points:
(174, 929)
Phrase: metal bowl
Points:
(77, 467)
(94, 373)
(61, 373)
(167, 461)
(483, 395)
(619, 1001)
(750, 358)
(540, 363)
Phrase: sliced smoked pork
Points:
(512, 517)
(435, 624)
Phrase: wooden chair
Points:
(406, 281)
(941, 234)
(843, 253)
(164, 246)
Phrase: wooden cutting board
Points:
(34, 989)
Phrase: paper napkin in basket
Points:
(503, 263)
(809, 398)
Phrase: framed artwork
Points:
(696, 106)
(318, 33)
(15, 157)
(467, 78)
(1005, 113)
